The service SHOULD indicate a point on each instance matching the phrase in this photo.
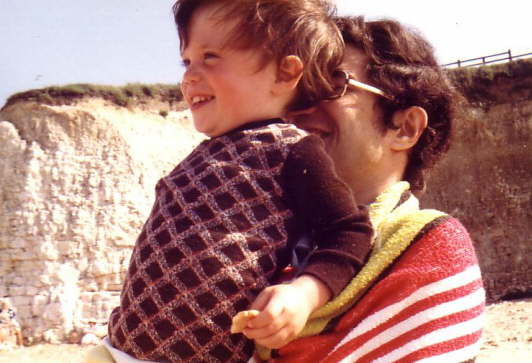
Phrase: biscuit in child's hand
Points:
(240, 320)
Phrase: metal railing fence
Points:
(493, 58)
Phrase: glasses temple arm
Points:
(367, 87)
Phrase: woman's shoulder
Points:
(444, 243)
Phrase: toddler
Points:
(225, 220)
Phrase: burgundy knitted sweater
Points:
(223, 223)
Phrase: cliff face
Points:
(76, 184)
(486, 180)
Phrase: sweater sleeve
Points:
(341, 231)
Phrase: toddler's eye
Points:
(210, 58)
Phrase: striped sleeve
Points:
(429, 308)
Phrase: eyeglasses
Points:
(342, 80)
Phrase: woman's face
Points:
(350, 127)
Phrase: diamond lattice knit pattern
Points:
(215, 237)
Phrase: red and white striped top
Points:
(428, 307)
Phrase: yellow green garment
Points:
(397, 220)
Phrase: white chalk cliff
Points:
(76, 184)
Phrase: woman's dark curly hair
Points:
(402, 64)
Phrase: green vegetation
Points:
(482, 86)
(506, 82)
(130, 94)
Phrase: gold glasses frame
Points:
(349, 81)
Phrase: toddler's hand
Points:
(283, 314)
(240, 320)
(284, 310)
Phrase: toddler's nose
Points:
(191, 75)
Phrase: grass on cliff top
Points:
(130, 94)
(480, 85)
(495, 83)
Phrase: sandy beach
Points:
(508, 335)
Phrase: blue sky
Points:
(56, 42)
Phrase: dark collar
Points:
(255, 125)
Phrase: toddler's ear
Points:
(290, 70)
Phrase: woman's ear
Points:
(289, 72)
(409, 125)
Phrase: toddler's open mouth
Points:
(197, 101)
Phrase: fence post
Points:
(510, 55)
(458, 62)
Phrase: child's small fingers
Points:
(277, 340)
(255, 334)
(260, 333)
(240, 320)
(271, 314)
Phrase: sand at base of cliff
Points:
(508, 336)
